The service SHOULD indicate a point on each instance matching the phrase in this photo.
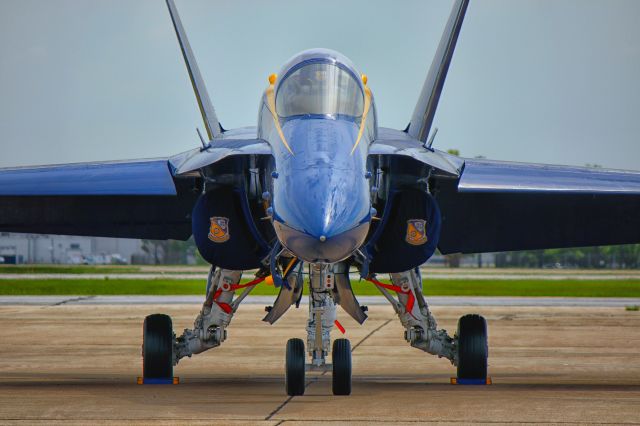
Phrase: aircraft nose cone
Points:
(321, 249)
(320, 220)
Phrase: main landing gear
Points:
(157, 347)
(328, 287)
(468, 349)
(473, 350)
(161, 349)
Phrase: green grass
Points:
(101, 287)
(534, 288)
(558, 288)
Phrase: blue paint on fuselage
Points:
(321, 190)
(321, 206)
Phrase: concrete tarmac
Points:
(611, 302)
(78, 364)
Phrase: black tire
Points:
(157, 347)
(341, 358)
(473, 349)
(294, 374)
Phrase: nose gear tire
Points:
(341, 359)
(294, 374)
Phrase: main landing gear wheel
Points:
(341, 359)
(157, 347)
(473, 349)
(294, 376)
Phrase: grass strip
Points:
(536, 288)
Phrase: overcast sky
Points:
(553, 81)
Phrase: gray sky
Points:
(552, 81)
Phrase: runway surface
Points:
(365, 300)
(78, 363)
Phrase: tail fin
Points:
(209, 117)
(428, 102)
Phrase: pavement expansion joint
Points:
(279, 407)
(370, 334)
(73, 299)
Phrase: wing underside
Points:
(499, 206)
(137, 199)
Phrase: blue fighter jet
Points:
(318, 183)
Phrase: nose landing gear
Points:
(341, 358)
(322, 315)
(295, 368)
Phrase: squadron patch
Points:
(219, 230)
(416, 232)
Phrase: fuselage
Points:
(319, 117)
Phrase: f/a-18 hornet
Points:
(318, 183)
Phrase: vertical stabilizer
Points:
(428, 102)
(209, 117)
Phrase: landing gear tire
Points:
(341, 359)
(294, 375)
(157, 347)
(473, 349)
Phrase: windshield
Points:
(320, 88)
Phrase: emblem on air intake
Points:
(416, 232)
(219, 230)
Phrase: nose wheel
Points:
(295, 367)
(294, 374)
(341, 358)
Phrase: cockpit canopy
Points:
(320, 86)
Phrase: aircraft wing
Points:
(499, 206)
(197, 159)
(131, 199)
(392, 143)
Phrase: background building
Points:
(33, 248)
